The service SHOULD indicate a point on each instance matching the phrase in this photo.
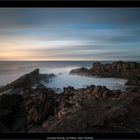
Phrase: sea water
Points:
(11, 70)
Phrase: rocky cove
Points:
(26, 105)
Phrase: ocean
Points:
(11, 70)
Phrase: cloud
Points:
(33, 17)
(69, 33)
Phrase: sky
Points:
(69, 34)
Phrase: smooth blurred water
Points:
(65, 80)
(9, 71)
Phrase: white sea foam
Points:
(77, 81)
(9, 71)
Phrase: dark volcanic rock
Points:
(88, 112)
(40, 106)
(80, 71)
(68, 90)
(10, 101)
(19, 124)
(133, 82)
(24, 81)
(46, 77)
(11, 110)
(118, 69)
(3, 128)
(19, 111)
(91, 109)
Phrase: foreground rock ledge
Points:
(92, 109)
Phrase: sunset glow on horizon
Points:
(69, 34)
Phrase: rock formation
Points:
(118, 69)
(19, 110)
(25, 81)
(91, 109)
(12, 113)
(96, 109)
(40, 107)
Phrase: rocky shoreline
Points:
(118, 69)
(27, 106)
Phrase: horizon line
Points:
(59, 60)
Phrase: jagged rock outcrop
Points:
(40, 106)
(133, 82)
(21, 105)
(91, 109)
(118, 69)
(88, 112)
(25, 82)
(19, 112)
